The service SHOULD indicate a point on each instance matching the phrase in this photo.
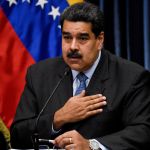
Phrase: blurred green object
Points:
(5, 132)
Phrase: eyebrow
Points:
(84, 34)
(80, 34)
(66, 33)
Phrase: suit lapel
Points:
(101, 74)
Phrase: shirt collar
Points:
(90, 71)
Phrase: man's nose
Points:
(74, 44)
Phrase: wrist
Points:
(58, 119)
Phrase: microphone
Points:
(35, 137)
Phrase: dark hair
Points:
(85, 12)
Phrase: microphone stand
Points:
(35, 137)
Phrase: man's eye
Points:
(83, 39)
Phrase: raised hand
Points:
(78, 108)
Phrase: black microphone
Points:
(35, 137)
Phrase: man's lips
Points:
(74, 55)
(74, 60)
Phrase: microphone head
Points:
(67, 69)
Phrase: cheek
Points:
(88, 57)
(64, 45)
(64, 48)
(90, 52)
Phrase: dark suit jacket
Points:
(123, 125)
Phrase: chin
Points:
(75, 64)
(76, 67)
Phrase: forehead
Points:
(77, 27)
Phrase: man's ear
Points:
(101, 39)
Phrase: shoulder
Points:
(125, 70)
(50, 62)
(47, 66)
(123, 64)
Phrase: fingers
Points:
(70, 147)
(93, 104)
(100, 99)
(96, 106)
(95, 101)
(95, 98)
(94, 112)
(64, 140)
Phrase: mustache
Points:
(74, 54)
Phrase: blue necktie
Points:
(82, 78)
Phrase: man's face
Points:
(80, 47)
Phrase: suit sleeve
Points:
(23, 125)
(136, 118)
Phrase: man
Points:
(112, 113)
